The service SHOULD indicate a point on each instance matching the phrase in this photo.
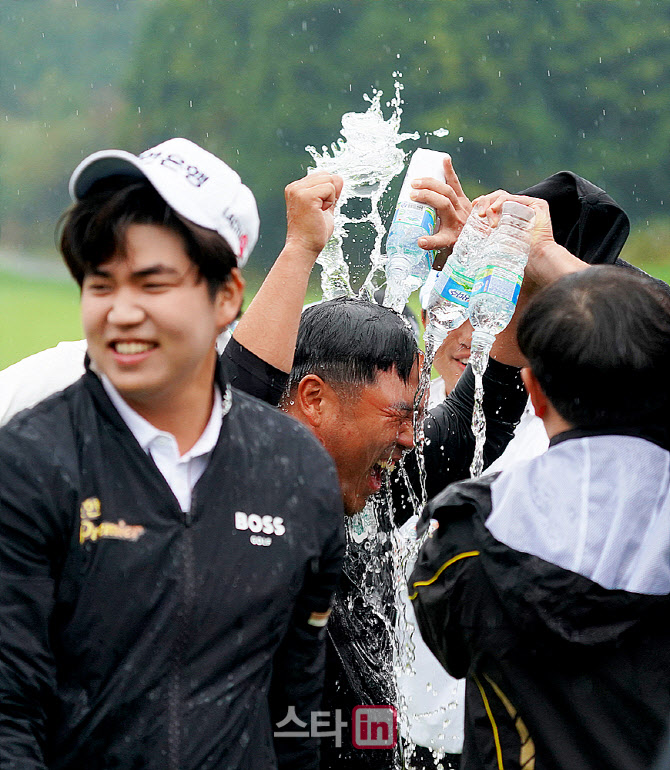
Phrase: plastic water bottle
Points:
(492, 303)
(447, 304)
(500, 275)
(408, 265)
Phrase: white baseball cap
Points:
(195, 183)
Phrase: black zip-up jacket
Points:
(133, 635)
(548, 586)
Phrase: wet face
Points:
(150, 322)
(453, 355)
(368, 431)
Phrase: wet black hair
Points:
(94, 228)
(347, 342)
(598, 342)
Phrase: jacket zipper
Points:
(181, 643)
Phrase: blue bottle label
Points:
(454, 286)
(499, 282)
(415, 215)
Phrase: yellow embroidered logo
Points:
(89, 530)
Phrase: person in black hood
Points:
(585, 219)
(548, 585)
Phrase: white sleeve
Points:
(31, 380)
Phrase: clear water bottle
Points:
(447, 305)
(500, 275)
(408, 265)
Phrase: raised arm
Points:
(269, 327)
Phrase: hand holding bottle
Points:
(452, 206)
(547, 260)
(408, 265)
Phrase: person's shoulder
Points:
(29, 381)
(46, 423)
(468, 495)
(286, 451)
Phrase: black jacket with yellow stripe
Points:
(135, 635)
(562, 674)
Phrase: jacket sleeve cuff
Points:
(249, 373)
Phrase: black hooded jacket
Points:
(585, 219)
(548, 586)
(135, 635)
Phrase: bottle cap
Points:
(518, 210)
(426, 163)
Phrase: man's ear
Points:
(537, 397)
(314, 400)
(228, 300)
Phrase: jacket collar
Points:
(657, 434)
(93, 382)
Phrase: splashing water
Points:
(362, 621)
(478, 360)
(371, 615)
(419, 417)
(368, 158)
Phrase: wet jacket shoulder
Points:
(134, 634)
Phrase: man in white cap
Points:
(169, 546)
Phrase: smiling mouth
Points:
(132, 348)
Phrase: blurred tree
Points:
(524, 89)
(61, 64)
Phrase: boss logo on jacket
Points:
(267, 525)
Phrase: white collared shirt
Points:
(180, 472)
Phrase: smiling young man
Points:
(169, 545)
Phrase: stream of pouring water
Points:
(478, 362)
(378, 555)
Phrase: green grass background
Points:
(36, 314)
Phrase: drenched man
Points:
(353, 382)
